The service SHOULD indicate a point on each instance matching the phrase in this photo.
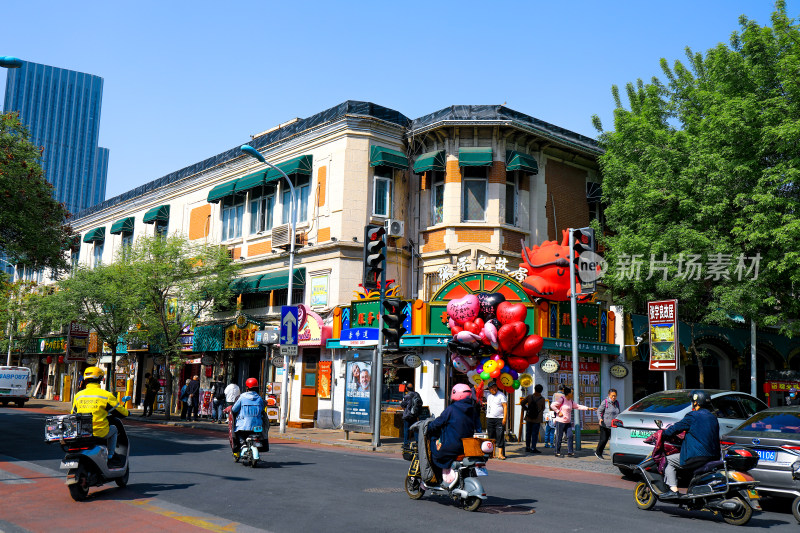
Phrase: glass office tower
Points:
(61, 108)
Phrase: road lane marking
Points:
(190, 516)
(12, 479)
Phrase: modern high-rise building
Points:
(61, 108)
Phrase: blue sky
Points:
(187, 80)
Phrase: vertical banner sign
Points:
(358, 392)
(663, 322)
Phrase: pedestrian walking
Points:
(608, 411)
(496, 418)
(193, 391)
(534, 405)
(559, 393)
(564, 407)
(549, 426)
(232, 393)
(184, 399)
(217, 400)
(151, 388)
(412, 406)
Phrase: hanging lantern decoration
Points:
(49, 359)
(60, 359)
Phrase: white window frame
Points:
(389, 180)
(437, 183)
(464, 181)
(228, 233)
(301, 196)
(97, 253)
(262, 223)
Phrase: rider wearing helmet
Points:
(249, 412)
(791, 398)
(98, 402)
(460, 420)
(701, 443)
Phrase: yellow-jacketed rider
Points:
(98, 402)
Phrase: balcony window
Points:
(437, 198)
(512, 197)
(475, 187)
(301, 190)
(232, 216)
(262, 210)
(382, 201)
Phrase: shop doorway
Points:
(308, 380)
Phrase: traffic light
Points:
(586, 267)
(374, 260)
(393, 318)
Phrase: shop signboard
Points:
(359, 391)
(412, 360)
(359, 337)
(311, 329)
(324, 381)
(241, 338)
(120, 382)
(662, 317)
(319, 291)
(52, 345)
(588, 322)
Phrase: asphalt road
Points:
(186, 480)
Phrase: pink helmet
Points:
(460, 391)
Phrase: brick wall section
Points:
(433, 241)
(423, 181)
(324, 234)
(497, 173)
(259, 248)
(322, 178)
(199, 222)
(512, 241)
(568, 187)
(474, 235)
(453, 172)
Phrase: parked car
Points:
(775, 435)
(637, 422)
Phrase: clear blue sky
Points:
(187, 80)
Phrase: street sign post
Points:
(289, 325)
(270, 335)
(662, 318)
(289, 350)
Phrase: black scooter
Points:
(86, 460)
(722, 487)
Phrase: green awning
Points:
(278, 280)
(159, 214)
(298, 165)
(246, 285)
(475, 157)
(124, 225)
(378, 155)
(221, 191)
(519, 161)
(251, 181)
(96, 235)
(430, 161)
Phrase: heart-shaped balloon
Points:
(479, 321)
(489, 302)
(463, 309)
(518, 363)
(510, 335)
(529, 347)
(508, 312)
(472, 327)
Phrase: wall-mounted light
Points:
(334, 239)
(355, 239)
(436, 371)
(242, 258)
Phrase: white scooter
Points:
(86, 460)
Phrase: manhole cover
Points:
(384, 490)
(505, 509)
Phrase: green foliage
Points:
(708, 163)
(16, 302)
(33, 232)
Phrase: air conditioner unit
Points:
(395, 228)
(280, 236)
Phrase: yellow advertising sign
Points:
(237, 338)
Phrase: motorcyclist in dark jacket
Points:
(701, 443)
(460, 420)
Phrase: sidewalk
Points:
(584, 459)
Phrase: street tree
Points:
(176, 283)
(701, 178)
(33, 228)
(97, 298)
(15, 303)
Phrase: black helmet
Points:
(701, 398)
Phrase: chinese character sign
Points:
(663, 323)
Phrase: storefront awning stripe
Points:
(475, 156)
(251, 181)
(430, 161)
(299, 165)
(378, 155)
(278, 280)
(124, 225)
(221, 191)
(519, 161)
(96, 235)
(246, 285)
(157, 214)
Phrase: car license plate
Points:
(69, 464)
(640, 434)
(5, 391)
(753, 494)
(481, 471)
(769, 456)
(257, 429)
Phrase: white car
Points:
(638, 421)
(15, 385)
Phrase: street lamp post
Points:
(10, 62)
(249, 150)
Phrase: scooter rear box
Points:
(472, 446)
(741, 458)
(67, 427)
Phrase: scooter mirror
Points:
(659, 423)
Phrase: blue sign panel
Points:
(359, 337)
(288, 325)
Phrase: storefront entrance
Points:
(308, 379)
